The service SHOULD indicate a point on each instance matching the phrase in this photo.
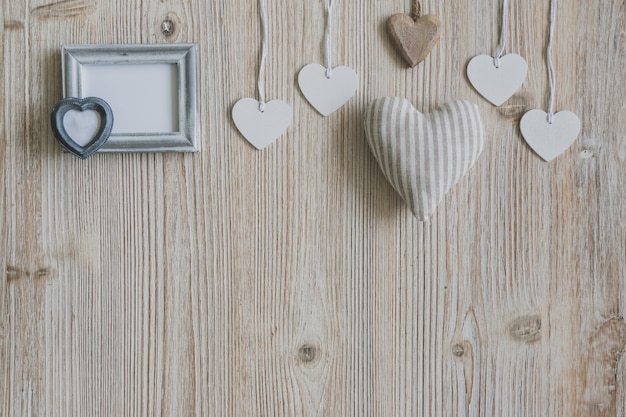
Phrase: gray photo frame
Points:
(183, 91)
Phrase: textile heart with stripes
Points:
(423, 155)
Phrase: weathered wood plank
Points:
(294, 281)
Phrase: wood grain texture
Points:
(294, 281)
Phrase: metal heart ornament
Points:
(82, 126)
(423, 155)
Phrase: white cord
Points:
(261, 81)
(504, 34)
(551, 77)
(329, 32)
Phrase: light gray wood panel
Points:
(294, 281)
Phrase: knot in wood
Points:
(458, 350)
(515, 107)
(167, 28)
(307, 353)
(42, 273)
(586, 154)
(13, 273)
(605, 351)
(526, 329)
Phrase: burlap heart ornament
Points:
(423, 155)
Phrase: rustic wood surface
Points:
(294, 281)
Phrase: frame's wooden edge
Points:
(170, 142)
(185, 56)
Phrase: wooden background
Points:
(294, 281)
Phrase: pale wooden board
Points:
(294, 281)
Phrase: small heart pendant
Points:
(82, 126)
(414, 36)
(497, 84)
(261, 128)
(327, 94)
(549, 140)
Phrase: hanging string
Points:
(504, 34)
(261, 80)
(551, 77)
(329, 32)
(416, 10)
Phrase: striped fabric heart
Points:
(423, 155)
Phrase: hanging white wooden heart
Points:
(327, 94)
(549, 140)
(549, 133)
(423, 155)
(497, 84)
(261, 128)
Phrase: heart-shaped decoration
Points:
(414, 37)
(423, 155)
(327, 94)
(82, 126)
(549, 140)
(497, 84)
(261, 128)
